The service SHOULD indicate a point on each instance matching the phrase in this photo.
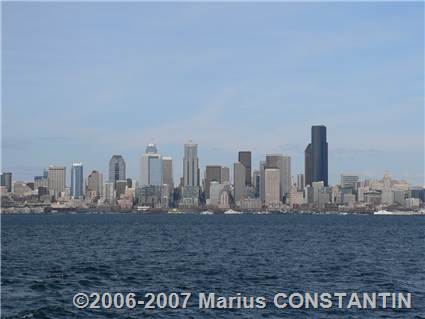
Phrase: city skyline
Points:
(114, 173)
(92, 90)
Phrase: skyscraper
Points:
(316, 156)
(56, 179)
(308, 169)
(95, 183)
(6, 181)
(245, 160)
(225, 174)
(151, 167)
(300, 182)
(256, 178)
(239, 179)
(272, 186)
(116, 168)
(77, 180)
(262, 181)
(167, 172)
(212, 174)
(283, 163)
(190, 165)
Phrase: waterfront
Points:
(46, 259)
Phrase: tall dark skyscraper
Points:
(316, 156)
(245, 160)
(307, 165)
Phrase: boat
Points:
(397, 213)
(232, 212)
(262, 213)
(207, 212)
(383, 212)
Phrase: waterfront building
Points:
(418, 192)
(150, 195)
(250, 204)
(216, 190)
(360, 193)
(316, 156)
(77, 181)
(116, 169)
(224, 202)
(412, 202)
(373, 197)
(212, 173)
(323, 196)
(21, 189)
(239, 182)
(151, 167)
(348, 199)
(56, 179)
(244, 158)
(272, 187)
(295, 197)
(387, 196)
(189, 197)
(400, 196)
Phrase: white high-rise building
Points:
(317, 187)
(151, 167)
(272, 186)
(56, 179)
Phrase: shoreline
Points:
(207, 212)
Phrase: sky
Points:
(83, 81)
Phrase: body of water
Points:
(47, 259)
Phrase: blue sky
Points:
(83, 81)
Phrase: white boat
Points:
(262, 213)
(232, 212)
(383, 212)
(207, 212)
(398, 213)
